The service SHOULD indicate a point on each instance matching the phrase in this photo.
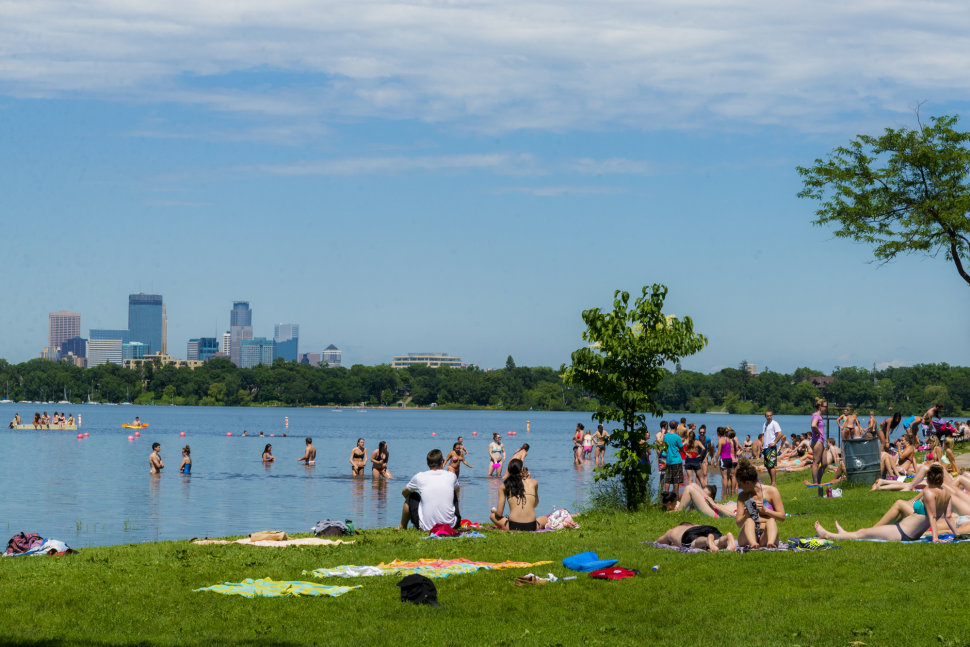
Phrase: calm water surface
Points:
(97, 491)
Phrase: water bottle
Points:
(828, 491)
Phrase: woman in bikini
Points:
(378, 461)
(454, 460)
(521, 492)
(358, 458)
(578, 444)
(587, 446)
(948, 459)
(936, 505)
(817, 443)
(268, 454)
(692, 462)
(886, 428)
(600, 437)
(496, 453)
(759, 510)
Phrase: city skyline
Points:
(474, 190)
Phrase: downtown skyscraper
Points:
(240, 328)
(146, 321)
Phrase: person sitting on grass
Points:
(700, 499)
(431, 497)
(759, 510)
(936, 504)
(690, 535)
(521, 492)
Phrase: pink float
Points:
(137, 434)
(80, 436)
(86, 434)
(181, 433)
(228, 433)
(474, 433)
(434, 433)
(131, 438)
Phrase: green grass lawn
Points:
(863, 593)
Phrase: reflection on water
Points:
(98, 491)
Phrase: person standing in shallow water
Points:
(155, 463)
(358, 458)
(310, 455)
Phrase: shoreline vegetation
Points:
(288, 384)
(163, 576)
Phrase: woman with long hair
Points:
(521, 492)
(692, 462)
(378, 461)
(455, 459)
(358, 458)
(268, 454)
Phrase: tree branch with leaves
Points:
(906, 191)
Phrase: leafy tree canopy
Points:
(905, 191)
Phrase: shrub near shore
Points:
(860, 593)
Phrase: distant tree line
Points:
(735, 390)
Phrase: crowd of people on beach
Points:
(683, 457)
(686, 458)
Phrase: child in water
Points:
(186, 466)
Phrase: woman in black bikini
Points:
(358, 458)
(378, 461)
(521, 492)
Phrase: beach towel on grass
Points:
(248, 541)
(467, 534)
(794, 544)
(927, 539)
(267, 588)
(427, 567)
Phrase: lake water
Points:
(97, 491)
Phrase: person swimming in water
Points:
(268, 453)
(358, 458)
(186, 465)
(310, 455)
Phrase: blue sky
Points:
(467, 177)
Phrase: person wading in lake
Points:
(155, 463)
(310, 455)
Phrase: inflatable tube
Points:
(141, 426)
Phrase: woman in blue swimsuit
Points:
(186, 465)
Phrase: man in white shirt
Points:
(772, 433)
(431, 497)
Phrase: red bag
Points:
(614, 573)
(443, 530)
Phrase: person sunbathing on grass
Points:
(916, 483)
(689, 535)
(521, 492)
(936, 505)
(759, 510)
(700, 499)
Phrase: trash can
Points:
(861, 460)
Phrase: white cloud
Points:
(497, 65)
